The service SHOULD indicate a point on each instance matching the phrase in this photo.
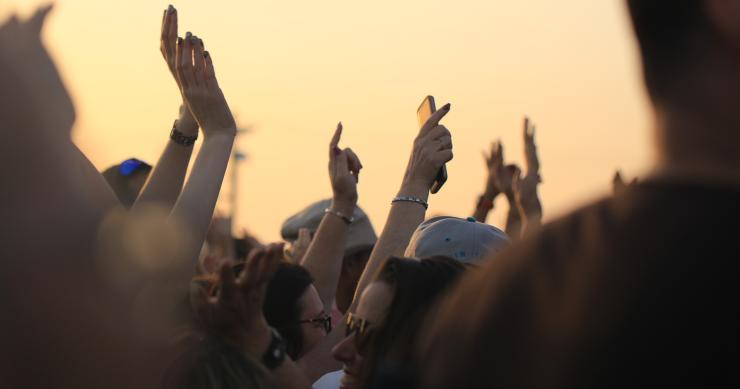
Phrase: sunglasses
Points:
(323, 321)
(130, 166)
(360, 328)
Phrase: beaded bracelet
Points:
(411, 199)
(340, 215)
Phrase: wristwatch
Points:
(276, 352)
(180, 138)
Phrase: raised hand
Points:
(200, 89)
(495, 165)
(299, 247)
(234, 313)
(432, 149)
(344, 174)
(619, 185)
(530, 148)
(528, 183)
(186, 124)
(25, 59)
(525, 187)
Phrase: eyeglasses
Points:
(323, 321)
(360, 328)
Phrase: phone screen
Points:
(426, 109)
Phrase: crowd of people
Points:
(126, 278)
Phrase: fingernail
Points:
(188, 35)
(170, 8)
(179, 41)
(447, 106)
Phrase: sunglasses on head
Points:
(130, 166)
(323, 321)
(360, 328)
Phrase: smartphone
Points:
(426, 109)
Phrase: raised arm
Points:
(206, 102)
(326, 251)
(37, 119)
(165, 182)
(494, 164)
(432, 149)
(525, 188)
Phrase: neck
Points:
(699, 136)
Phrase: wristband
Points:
(484, 203)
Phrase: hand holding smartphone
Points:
(425, 111)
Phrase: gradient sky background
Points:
(291, 69)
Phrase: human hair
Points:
(674, 38)
(416, 286)
(207, 362)
(282, 308)
(127, 186)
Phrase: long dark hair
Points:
(282, 309)
(417, 284)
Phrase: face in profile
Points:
(369, 316)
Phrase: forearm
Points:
(288, 375)
(531, 214)
(326, 252)
(165, 182)
(194, 207)
(484, 206)
(403, 219)
(513, 219)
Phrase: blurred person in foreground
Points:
(117, 275)
(634, 289)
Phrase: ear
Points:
(725, 17)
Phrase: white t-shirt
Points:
(329, 380)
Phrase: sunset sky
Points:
(292, 69)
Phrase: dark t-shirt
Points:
(632, 291)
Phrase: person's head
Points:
(353, 265)
(293, 307)
(680, 40)
(127, 179)
(207, 362)
(361, 232)
(389, 314)
(465, 240)
(360, 241)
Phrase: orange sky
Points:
(291, 69)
